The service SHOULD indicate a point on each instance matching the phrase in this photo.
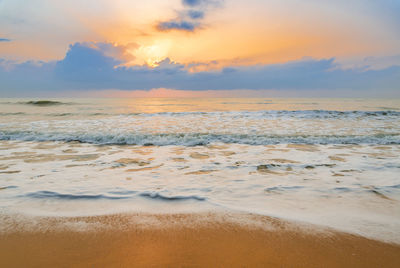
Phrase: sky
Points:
(288, 47)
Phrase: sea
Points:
(329, 162)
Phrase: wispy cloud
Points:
(5, 40)
(191, 16)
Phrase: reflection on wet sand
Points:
(204, 240)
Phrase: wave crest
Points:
(194, 139)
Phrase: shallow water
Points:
(191, 122)
(329, 162)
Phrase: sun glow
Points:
(152, 54)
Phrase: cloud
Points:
(119, 52)
(195, 14)
(177, 25)
(192, 3)
(191, 16)
(86, 64)
(5, 40)
(91, 66)
(201, 3)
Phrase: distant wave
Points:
(44, 103)
(389, 108)
(193, 139)
(300, 114)
(58, 114)
(8, 114)
(247, 103)
(61, 114)
(278, 113)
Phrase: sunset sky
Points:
(193, 45)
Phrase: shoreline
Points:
(202, 239)
(329, 185)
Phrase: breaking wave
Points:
(193, 139)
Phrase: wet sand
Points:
(186, 240)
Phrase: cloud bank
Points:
(97, 66)
(191, 16)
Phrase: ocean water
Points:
(332, 162)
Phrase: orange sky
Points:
(233, 33)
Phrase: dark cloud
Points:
(177, 25)
(5, 40)
(191, 16)
(201, 3)
(195, 14)
(87, 67)
(192, 3)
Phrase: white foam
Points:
(352, 188)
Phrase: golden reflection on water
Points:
(156, 105)
(19, 111)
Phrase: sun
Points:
(152, 54)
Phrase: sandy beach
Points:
(110, 183)
(199, 133)
(186, 240)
